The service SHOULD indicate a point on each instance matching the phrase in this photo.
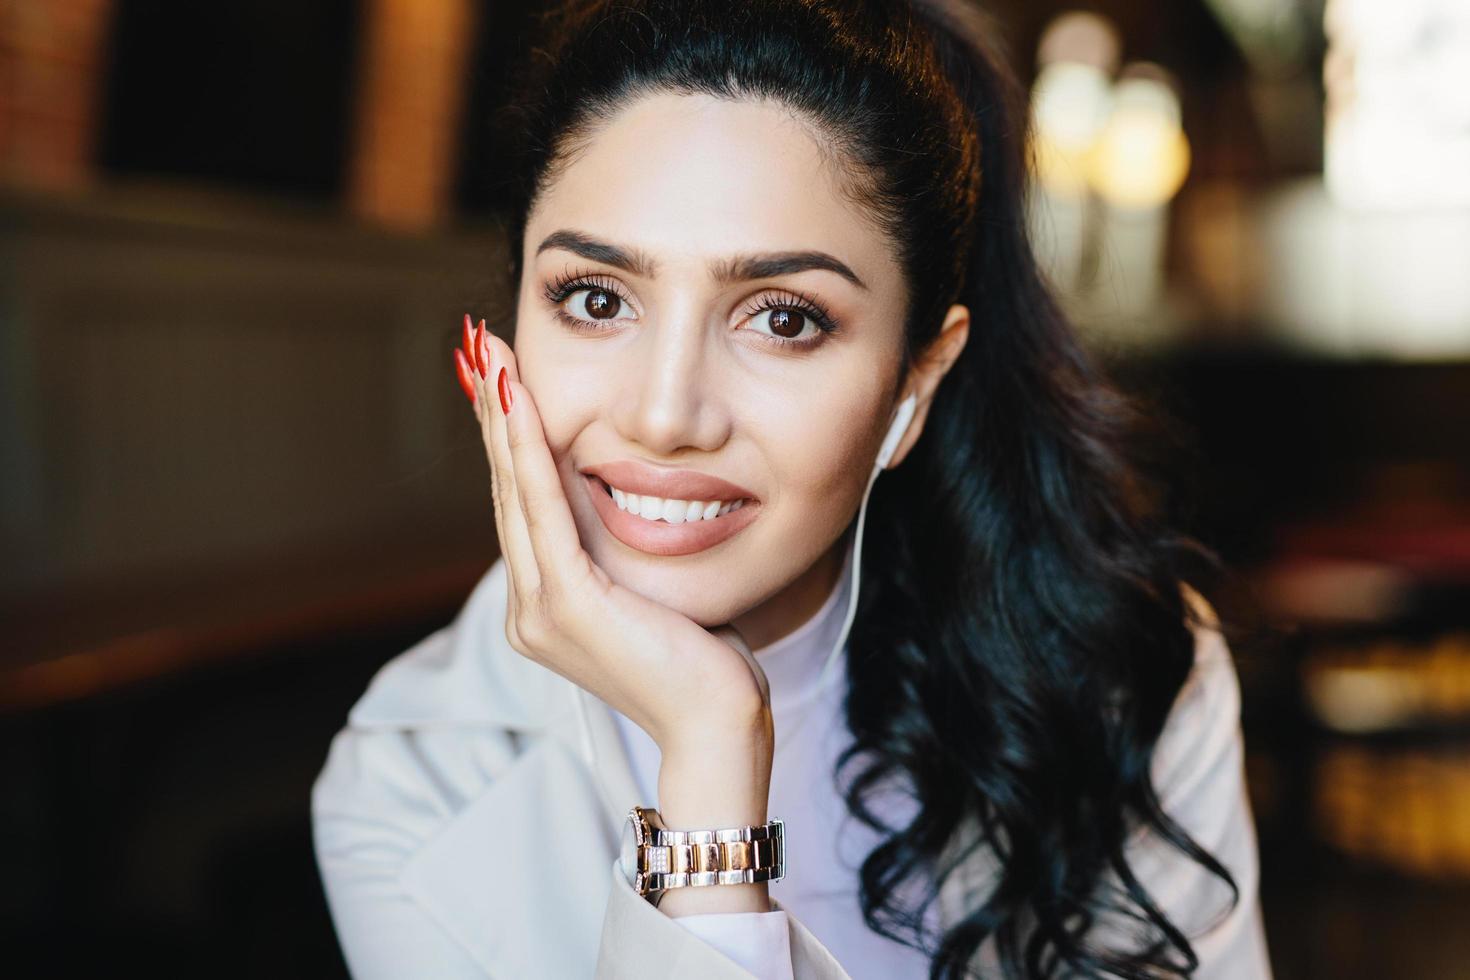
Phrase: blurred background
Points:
(236, 242)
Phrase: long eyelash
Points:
(567, 283)
(802, 303)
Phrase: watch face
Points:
(628, 850)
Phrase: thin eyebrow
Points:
(736, 268)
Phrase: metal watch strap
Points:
(729, 856)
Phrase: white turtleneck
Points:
(824, 844)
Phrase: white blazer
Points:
(466, 825)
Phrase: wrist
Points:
(708, 795)
(721, 779)
(724, 736)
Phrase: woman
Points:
(765, 252)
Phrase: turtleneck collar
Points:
(793, 663)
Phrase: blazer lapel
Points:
(519, 873)
(467, 675)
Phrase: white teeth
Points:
(670, 510)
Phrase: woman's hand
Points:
(700, 694)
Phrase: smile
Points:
(671, 510)
(668, 526)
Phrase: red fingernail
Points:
(469, 338)
(481, 349)
(486, 357)
(502, 382)
(462, 370)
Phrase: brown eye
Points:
(791, 321)
(601, 298)
(786, 323)
(602, 304)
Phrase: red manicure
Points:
(469, 339)
(482, 350)
(462, 370)
(502, 383)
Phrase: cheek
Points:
(567, 398)
(823, 463)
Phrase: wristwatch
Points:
(655, 858)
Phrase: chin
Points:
(704, 596)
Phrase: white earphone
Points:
(902, 416)
(900, 424)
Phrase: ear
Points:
(928, 370)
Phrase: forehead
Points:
(688, 177)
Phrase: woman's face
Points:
(671, 347)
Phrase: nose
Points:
(671, 399)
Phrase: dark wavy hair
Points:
(1020, 643)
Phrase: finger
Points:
(473, 353)
(468, 341)
(486, 352)
(503, 529)
(482, 409)
(481, 403)
(474, 387)
(482, 358)
(515, 540)
(543, 501)
(485, 398)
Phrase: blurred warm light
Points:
(1080, 37)
(1141, 155)
(409, 112)
(1406, 809)
(52, 64)
(1070, 104)
(1403, 803)
(1071, 97)
(1390, 684)
(1107, 157)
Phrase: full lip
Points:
(633, 476)
(658, 537)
